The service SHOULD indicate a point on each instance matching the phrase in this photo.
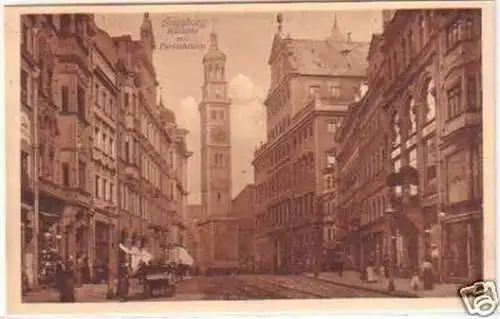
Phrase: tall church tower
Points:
(215, 122)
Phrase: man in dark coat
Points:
(65, 281)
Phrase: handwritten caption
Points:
(183, 33)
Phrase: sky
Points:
(246, 39)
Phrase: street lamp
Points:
(389, 212)
(110, 291)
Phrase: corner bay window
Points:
(65, 174)
(456, 171)
(477, 171)
(81, 103)
(454, 97)
(82, 175)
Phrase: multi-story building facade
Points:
(328, 201)
(428, 110)
(105, 107)
(43, 201)
(100, 145)
(243, 209)
(312, 81)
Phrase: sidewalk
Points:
(352, 279)
(85, 293)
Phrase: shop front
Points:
(405, 239)
(101, 260)
(463, 248)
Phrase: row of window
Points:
(152, 133)
(130, 100)
(428, 115)
(461, 29)
(104, 139)
(103, 99)
(372, 209)
(142, 206)
(284, 151)
(329, 207)
(286, 211)
(280, 127)
(67, 105)
(68, 178)
(457, 102)
(329, 233)
(217, 115)
(364, 171)
(403, 52)
(300, 172)
(329, 183)
(104, 188)
(220, 159)
(331, 89)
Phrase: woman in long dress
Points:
(370, 272)
(427, 274)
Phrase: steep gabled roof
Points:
(320, 57)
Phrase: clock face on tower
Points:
(218, 135)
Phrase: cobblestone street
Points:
(225, 288)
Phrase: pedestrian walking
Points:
(427, 274)
(385, 265)
(370, 272)
(64, 279)
(340, 265)
(415, 279)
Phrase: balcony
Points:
(464, 120)
(131, 174)
(72, 49)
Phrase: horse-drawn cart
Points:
(157, 280)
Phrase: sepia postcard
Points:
(298, 157)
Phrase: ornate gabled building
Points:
(312, 82)
(42, 199)
(423, 156)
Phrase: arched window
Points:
(431, 101)
(413, 117)
(396, 130)
(218, 196)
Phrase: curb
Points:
(400, 293)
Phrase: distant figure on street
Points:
(64, 281)
(340, 264)
(427, 274)
(385, 266)
(415, 279)
(435, 261)
(370, 272)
